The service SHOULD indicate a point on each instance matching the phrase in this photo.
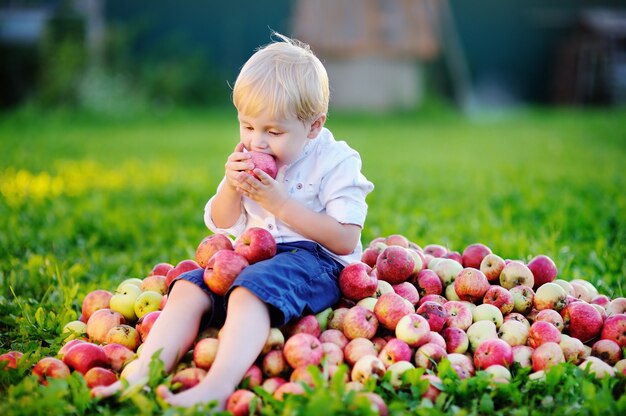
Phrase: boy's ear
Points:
(316, 126)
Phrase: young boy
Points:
(315, 210)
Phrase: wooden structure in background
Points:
(372, 49)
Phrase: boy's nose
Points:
(258, 141)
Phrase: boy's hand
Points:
(265, 191)
(237, 162)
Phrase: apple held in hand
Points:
(256, 244)
(222, 270)
(263, 161)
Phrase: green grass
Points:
(86, 202)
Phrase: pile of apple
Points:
(402, 307)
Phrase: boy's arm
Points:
(337, 237)
(226, 204)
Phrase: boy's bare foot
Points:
(196, 395)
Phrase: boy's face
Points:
(282, 138)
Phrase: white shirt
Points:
(326, 178)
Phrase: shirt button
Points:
(299, 186)
(270, 226)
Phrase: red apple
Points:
(429, 355)
(547, 355)
(474, 254)
(239, 402)
(435, 314)
(187, 378)
(458, 315)
(471, 285)
(145, 323)
(390, 308)
(274, 364)
(98, 376)
(94, 300)
(335, 336)
(303, 349)
(12, 358)
(541, 332)
(161, 269)
(582, 321)
(211, 245)
(271, 384)
(427, 282)
(607, 350)
(491, 266)
(204, 352)
(456, 340)
(516, 273)
(333, 354)
(397, 240)
(573, 349)
(462, 364)
(181, 267)
(378, 405)
(413, 329)
(356, 281)
(118, 355)
(395, 264)
(493, 351)
(222, 270)
(551, 316)
(256, 244)
(253, 377)
(435, 250)
(408, 291)
(357, 348)
(100, 322)
(544, 270)
(306, 323)
(263, 161)
(50, 367)
(501, 298)
(367, 367)
(289, 387)
(360, 322)
(395, 350)
(615, 329)
(84, 356)
(156, 283)
(371, 253)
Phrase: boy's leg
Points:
(242, 338)
(173, 333)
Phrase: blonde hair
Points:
(284, 78)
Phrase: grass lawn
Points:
(87, 202)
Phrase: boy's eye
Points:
(274, 133)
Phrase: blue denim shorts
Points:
(300, 279)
